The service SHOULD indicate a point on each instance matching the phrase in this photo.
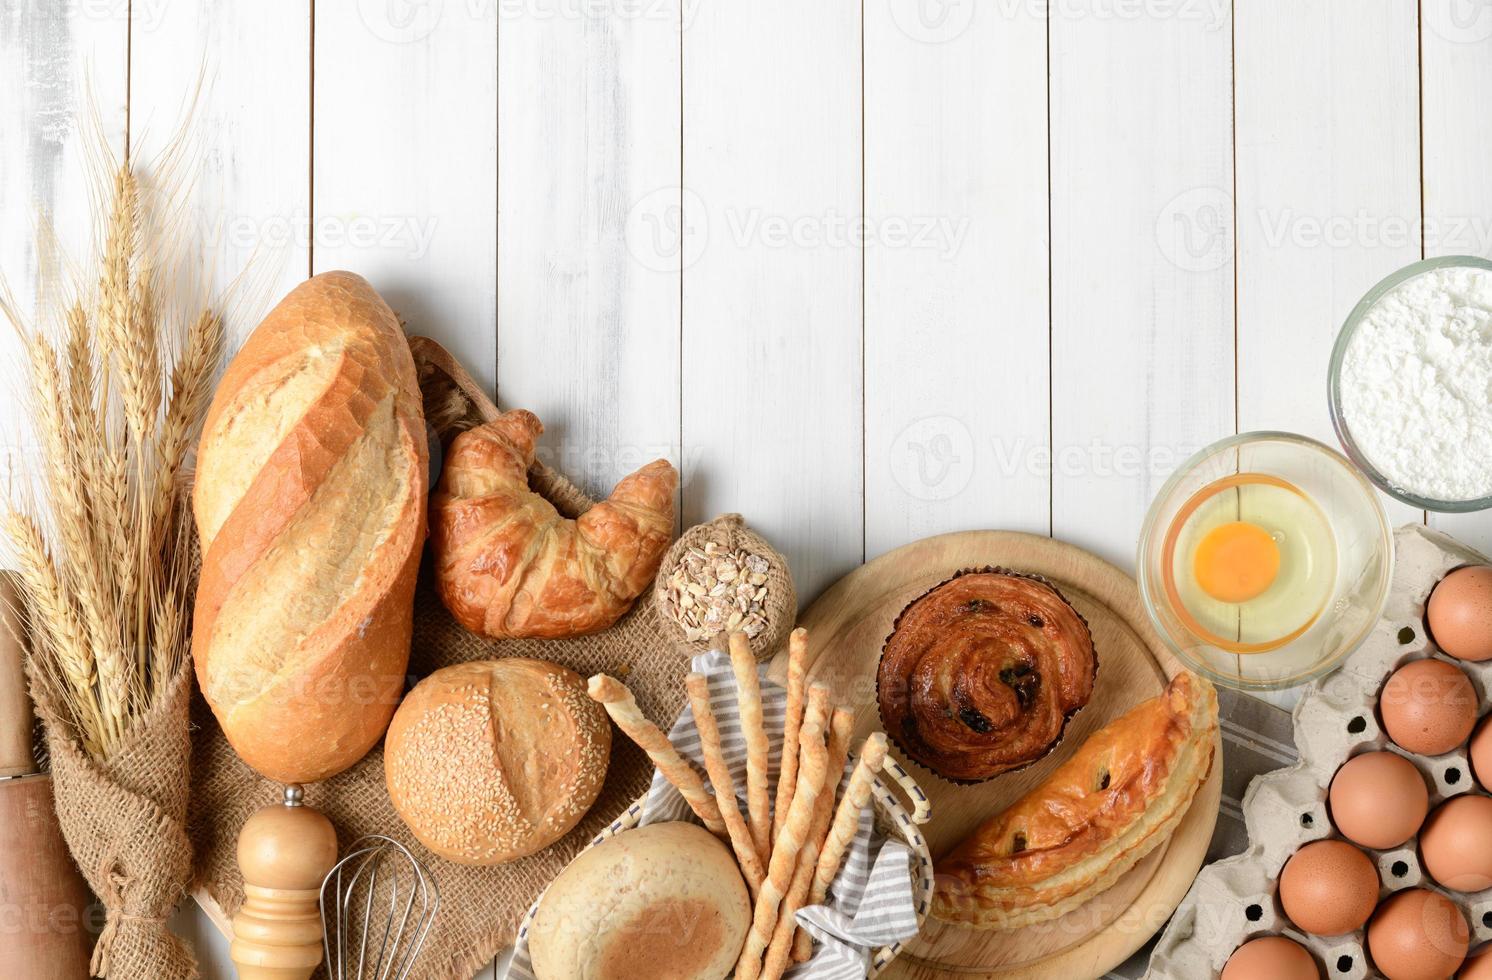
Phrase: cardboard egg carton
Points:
(1235, 899)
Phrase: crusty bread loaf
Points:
(312, 478)
(489, 761)
(662, 902)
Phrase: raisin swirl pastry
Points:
(980, 675)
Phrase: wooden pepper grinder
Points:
(48, 935)
(285, 851)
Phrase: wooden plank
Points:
(1142, 272)
(1328, 193)
(242, 74)
(956, 313)
(59, 65)
(1456, 45)
(772, 421)
(405, 164)
(588, 317)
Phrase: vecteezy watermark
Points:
(1469, 234)
(409, 21)
(1195, 229)
(1459, 21)
(667, 229)
(832, 229)
(941, 21)
(401, 21)
(937, 457)
(409, 235)
(932, 21)
(933, 458)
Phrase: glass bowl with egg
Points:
(1410, 384)
(1265, 560)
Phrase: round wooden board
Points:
(847, 627)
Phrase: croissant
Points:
(509, 566)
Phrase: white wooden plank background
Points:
(866, 271)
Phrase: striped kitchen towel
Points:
(870, 903)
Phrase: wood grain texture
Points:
(771, 390)
(847, 627)
(1142, 248)
(1328, 194)
(238, 76)
(956, 399)
(588, 319)
(405, 163)
(63, 72)
(48, 936)
(1456, 48)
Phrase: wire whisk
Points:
(378, 877)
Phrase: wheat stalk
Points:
(115, 416)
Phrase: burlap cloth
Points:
(480, 908)
(125, 823)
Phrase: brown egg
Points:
(1428, 707)
(1271, 958)
(1481, 753)
(1379, 800)
(1418, 935)
(1460, 613)
(1329, 887)
(1456, 844)
(1478, 965)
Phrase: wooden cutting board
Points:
(847, 627)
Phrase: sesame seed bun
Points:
(490, 761)
(662, 902)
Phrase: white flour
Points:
(1416, 385)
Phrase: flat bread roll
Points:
(662, 902)
(490, 761)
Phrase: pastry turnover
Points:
(1118, 798)
(508, 565)
(980, 675)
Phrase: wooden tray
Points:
(847, 627)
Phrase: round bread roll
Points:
(662, 902)
(490, 761)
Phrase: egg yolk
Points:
(1236, 561)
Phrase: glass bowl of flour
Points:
(1411, 384)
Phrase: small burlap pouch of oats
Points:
(721, 577)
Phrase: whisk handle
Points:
(284, 851)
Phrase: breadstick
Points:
(747, 857)
(622, 708)
(797, 676)
(840, 729)
(847, 817)
(787, 919)
(812, 762)
(749, 695)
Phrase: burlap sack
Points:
(125, 823)
(730, 532)
(480, 907)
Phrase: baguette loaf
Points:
(312, 478)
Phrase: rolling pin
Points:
(44, 934)
(285, 851)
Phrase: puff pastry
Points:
(1118, 798)
(980, 675)
(508, 565)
